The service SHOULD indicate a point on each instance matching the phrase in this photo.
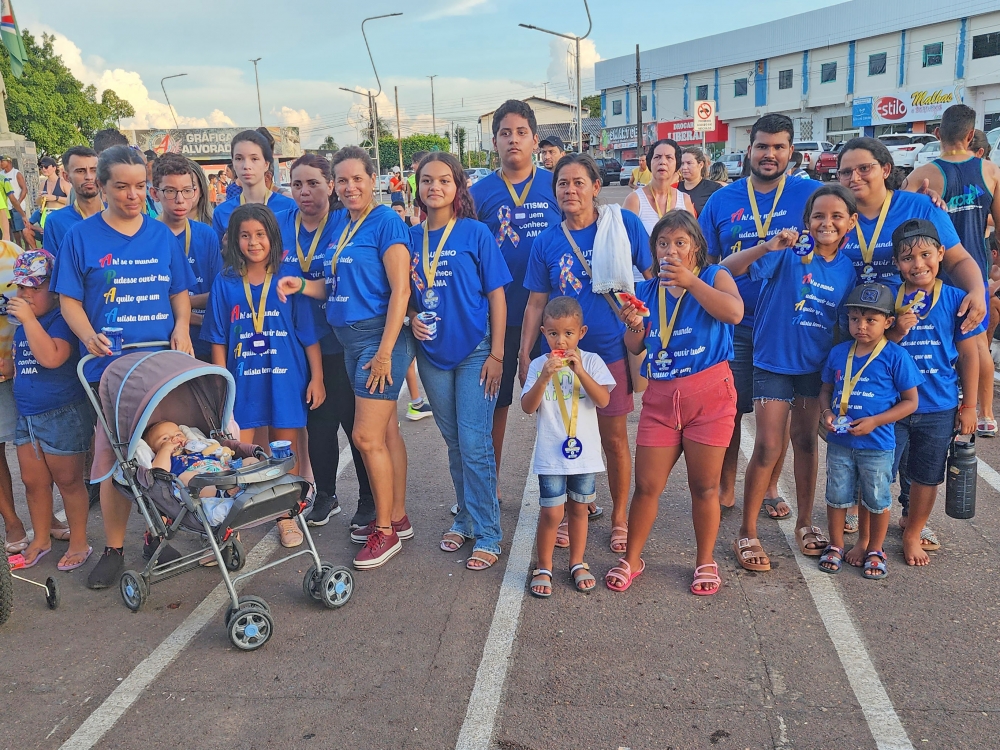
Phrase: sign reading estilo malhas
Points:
(912, 105)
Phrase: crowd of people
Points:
(856, 310)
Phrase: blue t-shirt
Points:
(39, 389)
(361, 289)
(470, 267)
(515, 228)
(728, 225)
(271, 385)
(931, 343)
(877, 391)
(554, 269)
(57, 226)
(903, 206)
(698, 342)
(220, 217)
(205, 259)
(123, 281)
(798, 309)
(290, 266)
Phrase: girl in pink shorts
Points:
(690, 404)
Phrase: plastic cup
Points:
(429, 319)
(281, 449)
(117, 338)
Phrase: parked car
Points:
(811, 151)
(927, 153)
(734, 164)
(625, 174)
(476, 174)
(903, 147)
(383, 183)
(611, 170)
(825, 167)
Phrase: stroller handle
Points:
(88, 357)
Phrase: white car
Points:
(476, 174)
(927, 154)
(625, 176)
(811, 151)
(903, 147)
(994, 140)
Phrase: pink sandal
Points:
(619, 539)
(710, 577)
(562, 535)
(620, 577)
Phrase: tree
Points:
(49, 106)
(329, 144)
(389, 152)
(593, 103)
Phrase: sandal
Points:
(481, 560)
(60, 533)
(710, 577)
(579, 580)
(817, 538)
(619, 539)
(289, 533)
(596, 513)
(538, 574)
(833, 556)
(929, 540)
(13, 548)
(745, 549)
(772, 503)
(875, 571)
(620, 577)
(562, 535)
(65, 566)
(452, 541)
(851, 523)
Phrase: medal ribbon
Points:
(518, 199)
(258, 315)
(671, 199)
(79, 210)
(667, 329)
(506, 230)
(868, 248)
(918, 297)
(431, 264)
(305, 261)
(850, 382)
(763, 229)
(346, 236)
(568, 417)
(187, 235)
(243, 198)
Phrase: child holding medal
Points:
(565, 388)
(868, 384)
(690, 403)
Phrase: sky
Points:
(311, 48)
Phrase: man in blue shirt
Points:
(79, 166)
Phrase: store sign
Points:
(625, 136)
(210, 143)
(916, 105)
(684, 133)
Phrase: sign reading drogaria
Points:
(210, 143)
(914, 105)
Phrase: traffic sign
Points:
(704, 116)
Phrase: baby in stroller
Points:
(175, 452)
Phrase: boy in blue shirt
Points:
(873, 383)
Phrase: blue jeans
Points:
(465, 417)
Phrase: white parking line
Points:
(480, 717)
(115, 705)
(883, 722)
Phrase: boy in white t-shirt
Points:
(568, 448)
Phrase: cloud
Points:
(455, 8)
(562, 65)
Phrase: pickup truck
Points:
(825, 167)
(811, 151)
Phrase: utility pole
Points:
(378, 161)
(638, 105)
(434, 126)
(171, 107)
(399, 132)
(260, 111)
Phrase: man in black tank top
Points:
(970, 188)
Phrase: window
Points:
(785, 79)
(616, 107)
(839, 124)
(828, 72)
(741, 87)
(701, 92)
(933, 54)
(986, 45)
(876, 64)
(644, 101)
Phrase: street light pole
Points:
(169, 105)
(579, 93)
(260, 111)
(434, 127)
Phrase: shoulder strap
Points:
(586, 267)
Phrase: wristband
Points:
(965, 406)
(825, 411)
(303, 287)
(498, 359)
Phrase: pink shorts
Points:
(621, 402)
(700, 407)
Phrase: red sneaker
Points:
(378, 550)
(401, 527)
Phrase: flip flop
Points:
(817, 533)
(620, 577)
(562, 535)
(74, 566)
(772, 503)
(745, 548)
(38, 557)
(932, 543)
(711, 577)
(851, 523)
(13, 548)
(60, 534)
(598, 512)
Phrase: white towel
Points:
(611, 264)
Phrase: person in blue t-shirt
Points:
(868, 384)
(55, 421)
(80, 167)
(457, 277)
(561, 264)
(805, 284)
(121, 269)
(252, 157)
(516, 204)
(306, 232)
(175, 189)
(735, 218)
(367, 290)
(931, 326)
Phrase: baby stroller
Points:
(142, 388)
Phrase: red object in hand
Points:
(558, 354)
(624, 298)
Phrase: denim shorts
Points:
(742, 366)
(849, 470)
(925, 439)
(65, 431)
(553, 489)
(775, 386)
(361, 341)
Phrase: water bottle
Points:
(960, 489)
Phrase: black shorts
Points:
(511, 346)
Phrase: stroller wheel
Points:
(51, 592)
(312, 582)
(6, 592)
(250, 628)
(235, 556)
(247, 601)
(134, 590)
(336, 587)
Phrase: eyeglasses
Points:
(862, 169)
(171, 193)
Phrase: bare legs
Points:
(377, 438)
(614, 440)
